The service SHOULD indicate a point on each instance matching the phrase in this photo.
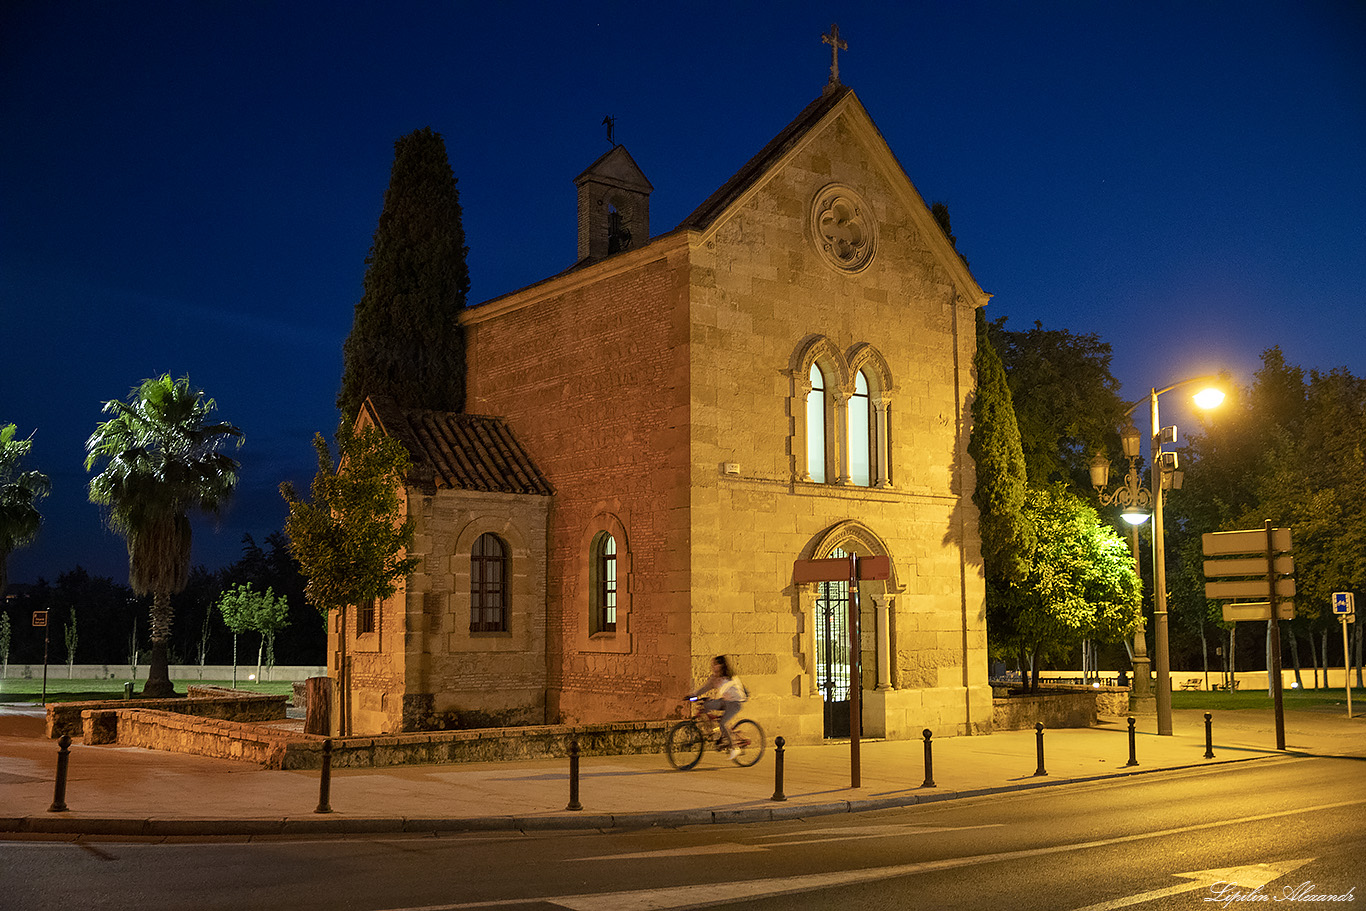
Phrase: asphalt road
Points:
(1289, 831)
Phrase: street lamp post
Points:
(1165, 476)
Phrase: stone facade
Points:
(667, 394)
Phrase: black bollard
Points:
(929, 762)
(1209, 736)
(325, 781)
(778, 769)
(1133, 754)
(59, 790)
(574, 776)
(1038, 735)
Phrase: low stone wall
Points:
(1058, 707)
(205, 702)
(278, 748)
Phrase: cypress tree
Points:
(406, 340)
(1007, 539)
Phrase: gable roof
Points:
(459, 451)
(702, 217)
(706, 216)
(618, 168)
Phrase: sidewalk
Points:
(121, 791)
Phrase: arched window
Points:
(815, 426)
(604, 581)
(488, 585)
(861, 441)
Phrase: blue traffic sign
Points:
(1344, 603)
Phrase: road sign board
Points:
(1248, 588)
(836, 569)
(1219, 543)
(40, 618)
(1249, 566)
(1344, 603)
(1258, 610)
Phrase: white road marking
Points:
(701, 894)
(1249, 877)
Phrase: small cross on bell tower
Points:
(837, 44)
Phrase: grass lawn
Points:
(1308, 700)
(61, 689)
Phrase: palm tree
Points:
(19, 492)
(161, 461)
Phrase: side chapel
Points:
(655, 435)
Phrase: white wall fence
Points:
(1247, 680)
(189, 673)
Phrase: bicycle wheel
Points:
(749, 739)
(684, 745)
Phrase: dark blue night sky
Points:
(192, 187)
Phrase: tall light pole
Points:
(1165, 476)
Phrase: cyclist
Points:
(727, 695)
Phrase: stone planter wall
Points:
(1058, 707)
(278, 748)
(205, 702)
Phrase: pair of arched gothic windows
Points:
(846, 434)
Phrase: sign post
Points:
(1344, 606)
(40, 619)
(1268, 576)
(838, 569)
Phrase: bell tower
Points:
(614, 206)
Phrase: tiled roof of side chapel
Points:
(459, 451)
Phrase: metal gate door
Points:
(832, 652)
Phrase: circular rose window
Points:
(842, 228)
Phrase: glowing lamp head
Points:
(1134, 516)
(1211, 397)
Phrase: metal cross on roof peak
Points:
(837, 44)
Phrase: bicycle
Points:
(688, 739)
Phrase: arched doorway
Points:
(826, 604)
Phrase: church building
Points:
(654, 437)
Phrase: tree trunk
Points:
(318, 711)
(1295, 654)
(1314, 657)
(1204, 653)
(1325, 658)
(1232, 657)
(158, 685)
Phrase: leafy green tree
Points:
(1081, 582)
(245, 610)
(351, 540)
(1066, 400)
(406, 340)
(160, 459)
(1289, 449)
(20, 492)
(235, 606)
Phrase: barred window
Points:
(488, 585)
(604, 578)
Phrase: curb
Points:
(338, 825)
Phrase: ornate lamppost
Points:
(1166, 477)
(1136, 502)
